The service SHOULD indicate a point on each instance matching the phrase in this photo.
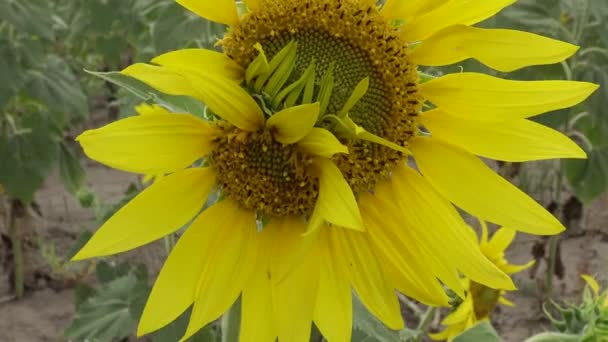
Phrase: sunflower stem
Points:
(15, 236)
(231, 323)
(553, 243)
(425, 323)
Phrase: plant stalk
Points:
(553, 243)
(15, 236)
(425, 323)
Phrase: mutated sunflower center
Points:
(304, 51)
(348, 65)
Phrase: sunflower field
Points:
(304, 170)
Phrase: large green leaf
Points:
(27, 156)
(367, 328)
(589, 177)
(55, 85)
(176, 27)
(32, 16)
(10, 71)
(554, 337)
(70, 169)
(182, 104)
(482, 331)
(112, 311)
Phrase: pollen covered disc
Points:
(344, 42)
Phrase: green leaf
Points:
(482, 331)
(367, 328)
(554, 337)
(57, 87)
(82, 293)
(112, 311)
(107, 272)
(27, 156)
(10, 70)
(181, 104)
(33, 16)
(589, 177)
(70, 169)
(174, 27)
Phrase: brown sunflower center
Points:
(342, 40)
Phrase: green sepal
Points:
(259, 66)
(327, 88)
(293, 91)
(357, 94)
(282, 73)
(275, 62)
(346, 128)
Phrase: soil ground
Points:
(48, 308)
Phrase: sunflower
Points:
(480, 300)
(331, 176)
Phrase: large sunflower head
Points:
(336, 160)
(481, 300)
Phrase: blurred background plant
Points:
(47, 98)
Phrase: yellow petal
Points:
(593, 284)
(504, 301)
(228, 100)
(510, 269)
(291, 244)
(500, 241)
(482, 97)
(321, 142)
(149, 144)
(333, 309)
(162, 79)
(146, 109)
(336, 202)
(400, 257)
(183, 267)
(461, 314)
(294, 296)
(359, 132)
(406, 10)
(294, 123)
(467, 12)
(439, 264)
(366, 276)
(440, 225)
(484, 233)
(504, 50)
(229, 264)
(144, 219)
(202, 61)
(470, 184)
(517, 140)
(253, 4)
(223, 96)
(221, 11)
(256, 300)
